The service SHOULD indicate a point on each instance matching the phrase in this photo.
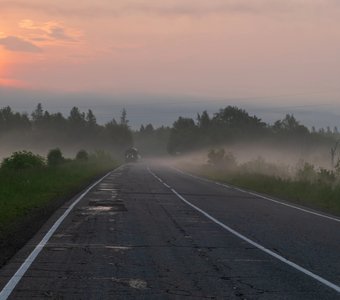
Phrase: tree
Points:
(123, 118)
(291, 126)
(10, 120)
(119, 134)
(38, 113)
(235, 118)
(91, 119)
(149, 129)
(76, 117)
(203, 120)
(55, 157)
(183, 136)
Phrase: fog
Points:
(262, 158)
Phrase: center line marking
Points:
(258, 246)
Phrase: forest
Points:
(41, 131)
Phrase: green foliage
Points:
(306, 173)
(55, 157)
(101, 156)
(326, 177)
(317, 188)
(82, 155)
(23, 160)
(216, 157)
(263, 167)
(220, 159)
(33, 189)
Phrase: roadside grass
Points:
(25, 191)
(317, 195)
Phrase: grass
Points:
(316, 195)
(25, 191)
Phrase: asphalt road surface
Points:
(156, 233)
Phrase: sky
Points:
(178, 56)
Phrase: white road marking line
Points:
(10, 286)
(260, 196)
(258, 246)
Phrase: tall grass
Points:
(26, 190)
(304, 184)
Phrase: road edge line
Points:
(319, 214)
(255, 244)
(15, 279)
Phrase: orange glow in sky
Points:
(222, 48)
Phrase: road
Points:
(155, 233)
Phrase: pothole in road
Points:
(57, 248)
(137, 284)
(118, 248)
(113, 205)
(99, 208)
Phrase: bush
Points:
(222, 160)
(306, 173)
(216, 157)
(327, 177)
(23, 160)
(102, 156)
(82, 155)
(55, 157)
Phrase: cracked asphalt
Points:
(131, 237)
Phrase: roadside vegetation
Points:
(32, 187)
(299, 164)
(304, 184)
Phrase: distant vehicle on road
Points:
(131, 155)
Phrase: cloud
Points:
(104, 8)
(59, 33)
(17, 44)
(49, 31)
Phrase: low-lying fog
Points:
(287, 159)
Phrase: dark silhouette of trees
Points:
(10, 120)
(91, 120)
(152, 141)
(227, 125)
(120, 133)
(232, 125)
(44, 130)
(289, 125)
(183, 136)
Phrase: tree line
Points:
(232, 125)
(42, 130)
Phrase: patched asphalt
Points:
(131, 237)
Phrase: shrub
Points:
(102, 156)
(82, 155)
(55, 157)
(216, 157)
(327, 177)
(306, 173)
(23, 160)
(222, 160)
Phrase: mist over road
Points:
(151, 232)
